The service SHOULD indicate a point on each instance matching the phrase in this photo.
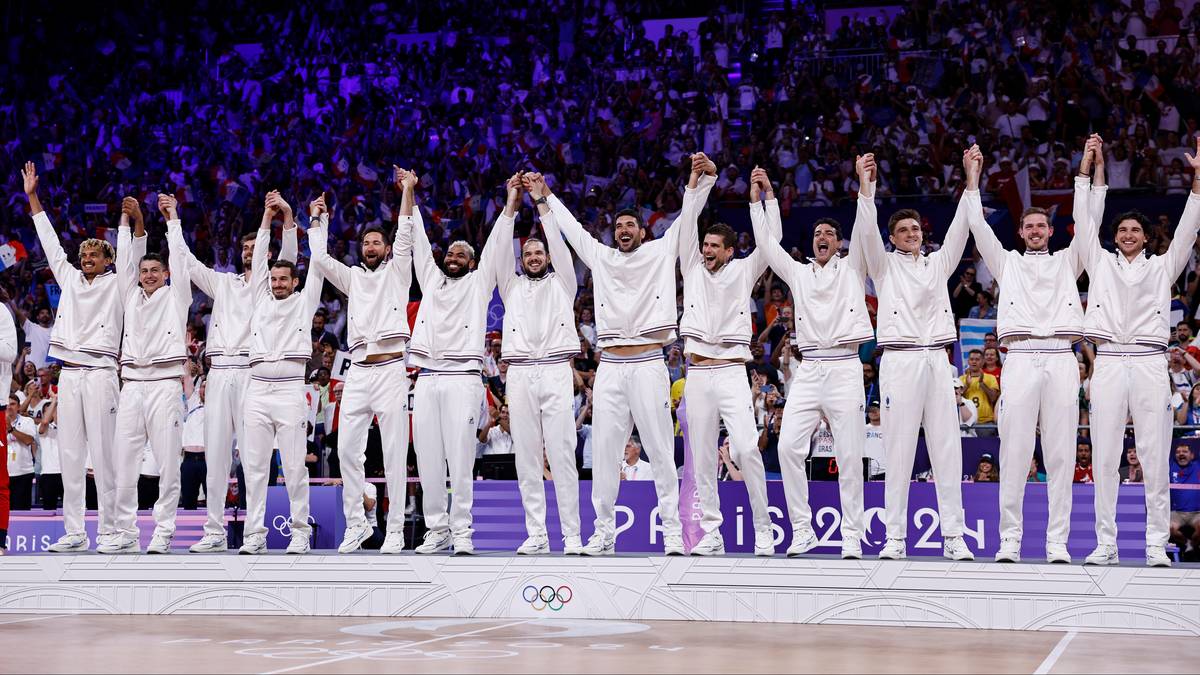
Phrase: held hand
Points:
(398, 177)
(537, 185)
(1098, 151)
(514, 191)
(755, 188)
(864, 166)
(168, 206)
(1194, 160)
(317, 208)
(131, 208)
(285, 209)
(408, 180)
(30, 178)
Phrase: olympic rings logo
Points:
(547, 597)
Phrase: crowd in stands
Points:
(217, 103)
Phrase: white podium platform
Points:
(924, 593)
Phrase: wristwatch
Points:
(540, 200)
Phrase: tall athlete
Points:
(447, 345)
(716, 328)
(635, 317)
(153, 354)
(1129, 302)
(1040, 319)
(540, 340)
(915, 325)
(86, 337)
(275, 405)
(228, 348)
(831, 321)
(377, 384)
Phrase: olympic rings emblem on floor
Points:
(547, 597)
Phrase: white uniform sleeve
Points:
(866, 244)
(1179, 253)
(402, 253)
(64, 271)
(560, 255)
(993, 252)
(428, 273)
(1085, 245)
(290, 245)
(689, 216)
(497, 250)
(318, 245)
(8, 337)
(259, 280)
(177, 259)
(127, 260)
(758, 263)
(866, 217)
(586, 246)
(313, 283)
(950, 254)
(768, 246)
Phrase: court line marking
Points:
(1053, 656)
(377, 652)
(36, 618)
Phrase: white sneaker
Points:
(538, 544)
(673, 544)
(1156, 556)
(434, 542)
(160, 544)
(210, 543)
(894, 549)
(802, 542)
(299, 545)
(764, 543)
(1057, 553)
(120, 544)
(354, 537)
(712, 544)
(1105, 554)
(70, 543)
(255, 544)
(572, 546)
(463, 545)
(1010, 551)
(393, 542)
(597, 546)
(955, 548)
(851, 549)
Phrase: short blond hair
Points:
(106, 249)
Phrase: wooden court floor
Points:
(270, 644)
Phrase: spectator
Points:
(873, 448)
(992, 365)
(729, 469)
(965, 292)
(1132, 471)
(774, 333)
(968, 414)
(778, 300)
(49, 481)
(21, 432)
(495, 437)
(984, 308)
(1188, 414)
(980, 388)
(985, 470)
(1185, 504)
(1083, 461)
(634, 467)
(1036, 475)
(194, 470)
(1182, 367)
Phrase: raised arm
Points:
(289, 245)
(1179, 253)
(585, 245)
(694, 198)
(767, 244)
(128, 250)
(560, 253)
(428, 274)
(761, 184)
(1088, 205)
(950, 254)
(993, 252)
(177, 257)
(318, 246)
(8, 337)
(497, 259)
(401, 267)
(259, 276)
(62, 268)
(689, 237)
(866, 244)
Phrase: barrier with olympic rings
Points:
(547, 597)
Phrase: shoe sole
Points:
(123, 551)
(1008, 559)
(545, 551)
(77, 549)
(463, 553)
(166, 552)
(357, 545)
(852, 556)
(255, 552)
(796, 553)
(707, 554)
(596, 554)
(573, 552)
(208, 550)
(1106, 563)
(764, 552)
(888, 557)
(1058, 561)
(959, 558)
(1158, 563)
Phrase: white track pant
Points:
(541, 411)
(627, 392)
(716, 393)
(374, 390)
(224, 420)
(1134, 384)
(917, 391)
(1045, 385)
(149, 411)
(833, 386)
(445, 433)
(87, 421)
(276, 411)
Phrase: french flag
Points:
(11, 253)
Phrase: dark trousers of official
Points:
(191, 476)
(20, 490)
(49, 489)
(147, 491)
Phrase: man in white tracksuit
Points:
(228, 348)
(1129, 305)
(153, 354)
(447, 345)
(86, 338)
(275, 407)
(1040, 318)
(915, 325)
(540, 339)
(635, 317)
(377, 384)
(831, 321)
(716, 328)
